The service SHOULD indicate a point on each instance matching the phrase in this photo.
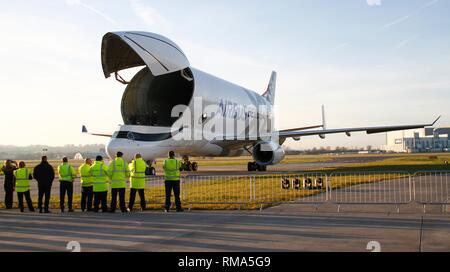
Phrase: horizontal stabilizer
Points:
(85, 131)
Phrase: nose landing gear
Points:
(150, 170)
(188, 166)
(253, 167)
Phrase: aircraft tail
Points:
(271, 89)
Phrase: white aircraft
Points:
(152, 128)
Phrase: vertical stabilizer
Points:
(270, 93)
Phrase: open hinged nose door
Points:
(123, 50)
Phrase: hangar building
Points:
(418, 140)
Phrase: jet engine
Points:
(268, 153)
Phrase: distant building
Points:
(78, 157)
(81, 156)
(418, 140)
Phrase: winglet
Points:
(436, 120)
(84, 129)
(324, 123)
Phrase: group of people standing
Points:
(96, 178)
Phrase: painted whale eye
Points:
(130, 136)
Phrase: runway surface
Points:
(284, 228)
(280, 168)
(287, 227)
(287, 167)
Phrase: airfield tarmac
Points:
(287, 227)
(283, 228)
(287, 167)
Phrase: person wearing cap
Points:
(100, 178)
(119, 172)
(44, 174)
(67, 175)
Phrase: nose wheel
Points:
(150, 170)
(188, 166)
(253, 167)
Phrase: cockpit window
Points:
(142, 137)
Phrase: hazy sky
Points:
(371, 62)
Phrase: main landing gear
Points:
(253, 167)
(188, 166)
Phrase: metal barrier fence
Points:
(427, 188)
(432, 188)
(371, 188)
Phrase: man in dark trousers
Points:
(67, 175)
(100, 179)
(44, 174)
(22, 177)
(8, 169)
(137, 181)
(119, 172)
(87, 188)
(171, 168)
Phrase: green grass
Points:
(407, 163)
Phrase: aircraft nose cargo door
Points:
(155, 90)
(123, 50)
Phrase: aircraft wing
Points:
(301, 128)
(242, 141)
(369, 130)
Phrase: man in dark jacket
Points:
(44, 174)
(8, 170)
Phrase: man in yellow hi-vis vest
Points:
(137, 178)
(67, 175)
(23, 177)
(119, 172)
(87, 190)
(171, 168)
(100, 179)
